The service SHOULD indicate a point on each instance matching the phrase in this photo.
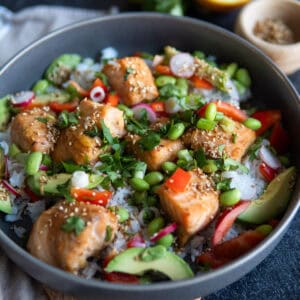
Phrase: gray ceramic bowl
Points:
(130, 33)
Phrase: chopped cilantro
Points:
(42, 120)
(231, 164)
(224, 185)
(221, 149)
(103, 77)
(108, 234)
(252, 152)
(93, 132)
(200, 157)
(71, 167)
(150, 141)
(128, 72)
(66, 119)
(106, 133)
(137, 127)
(75, 224)
(234, 137)
(64, 189)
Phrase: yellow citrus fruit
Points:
(222, 5)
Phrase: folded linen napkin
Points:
(18, 30)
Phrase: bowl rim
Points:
(92, 283)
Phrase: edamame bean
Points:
(169, 167)
(139, 184)
(163, 80)
(210, 166)
(140, 198)
(230, 197)
(154, 178)
(182, 86)
(264, 229)
(252, 123)
(219, 116)
(41, 87)
(33, 162)
(176, 131)
(206, 124)
(211, 111)
(231, 69)
(123, 214)
(127, 111)
(155, 225)
(227, 125)
(242, 75)
(166, 240)
(184, 154)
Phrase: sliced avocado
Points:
(273, 201)
(5, 204)
(60, 69)
(134, 261)
(42, 184)
(4, 112)
(95, 180)
(45, 99)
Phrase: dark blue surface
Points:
(278, 276)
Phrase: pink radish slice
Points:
(182, 65)
(22, 99)
(136, 241)
(44, 168)
(97, 94)
(169, 229)
(269, 158)
(138, 110)
(10, 188)
(157, 60)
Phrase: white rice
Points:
(109, 52)
(34, 209)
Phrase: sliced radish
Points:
(10, 188)
(157, 60)
(269, 158)
(136, 241)
(22, 99)
(97, 94)
(169, 229)
(182, 65)
(138, 111)
(226, 220)
(44, 168)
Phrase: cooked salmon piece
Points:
(34, 130)
(91, 113)
(70, 250)
(192, 209)
(73, 144)
(165, 151)
(235, 143)
(132, 79)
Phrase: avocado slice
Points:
(4, 112)
(273, 201)
(42, 184)
(131, 261)
(95, 180)
(45, 99)
(5, 204)
(60, 69)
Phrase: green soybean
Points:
(210, 166)
(230, 197)
(176, 131)
(155, 225)
(163, 80)
(227, 125)
(219, 116)
(206, 124)
(41, 87)
(140, 198)
(242, 75)
(184, 154)
(169, 167)
(166, 241)
(123, 214)
(154, 178)
(139, 184)
(264, 229)
(252, 123)
(231, 69)
(33, 162)
(211, 111)
(127, 111)
(183, 87)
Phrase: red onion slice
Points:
(10, 188)
(269, 158)
(138, 109)
(44, 168)
(22, 99)
(182, 65)
(169, 229)
(6, 171)
(136, 241)
(97, 94)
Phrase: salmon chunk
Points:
(235, 143)
(165, 151)
(192, 209)
(69, 250)
(92, 113)
(132, 79)
(73, 144)
(34, 130)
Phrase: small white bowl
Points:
(287, 57)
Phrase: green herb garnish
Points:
(42, 120)
(108, 233)
(128, 72)
(93, 132)
(150, 141)
(75, 224)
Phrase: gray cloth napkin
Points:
(17, 31)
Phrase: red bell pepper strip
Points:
(33, 197)
(226, 220)
(81, 91)
(179, 180)
(112, 99)
(230, 250)
(279, 139)
(162, 69)
(59, 107)
(91, 196)
(227, 109)
(201, 83)
(267, 118)
(158, 106)
(267, 172)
